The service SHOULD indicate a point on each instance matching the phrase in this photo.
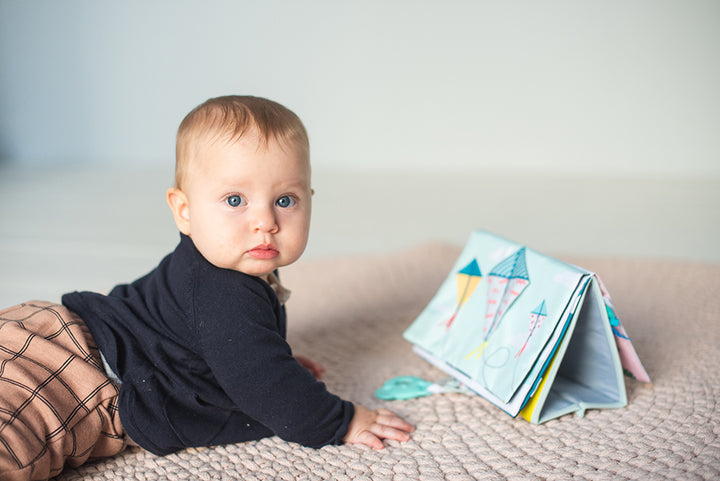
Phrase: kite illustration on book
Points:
(536, 318)
(467, 280)
(535, 336)
(506, 282)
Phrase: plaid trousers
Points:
(57, 406)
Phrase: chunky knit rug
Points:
(349, 314)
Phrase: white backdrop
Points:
(558, 86)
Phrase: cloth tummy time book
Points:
(533, 335)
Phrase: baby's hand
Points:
(371, 427)
(315, 368)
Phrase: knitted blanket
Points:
(349, 314)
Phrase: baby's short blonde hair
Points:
(228, 119)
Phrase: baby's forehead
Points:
(252, 137)
(207, 147)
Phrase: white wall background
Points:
(625, 87)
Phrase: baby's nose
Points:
(265, 220)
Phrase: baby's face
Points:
(248, 208)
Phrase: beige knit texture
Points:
(349, 314)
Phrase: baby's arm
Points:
(371, 427)
(366, 427)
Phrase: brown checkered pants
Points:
(57, 407)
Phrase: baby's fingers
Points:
(392, 420)
(371, 427)
(383, 431)
(389, 425)
(369, 439)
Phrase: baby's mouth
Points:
(264, 251)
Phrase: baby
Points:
(196, 348)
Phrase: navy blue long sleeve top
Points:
(203, 359)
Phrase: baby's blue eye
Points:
(285, 202)
(234, 200)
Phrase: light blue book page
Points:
(430, 329)
(496, 311)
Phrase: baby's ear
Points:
(178, 202)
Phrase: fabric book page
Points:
(494, 315)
